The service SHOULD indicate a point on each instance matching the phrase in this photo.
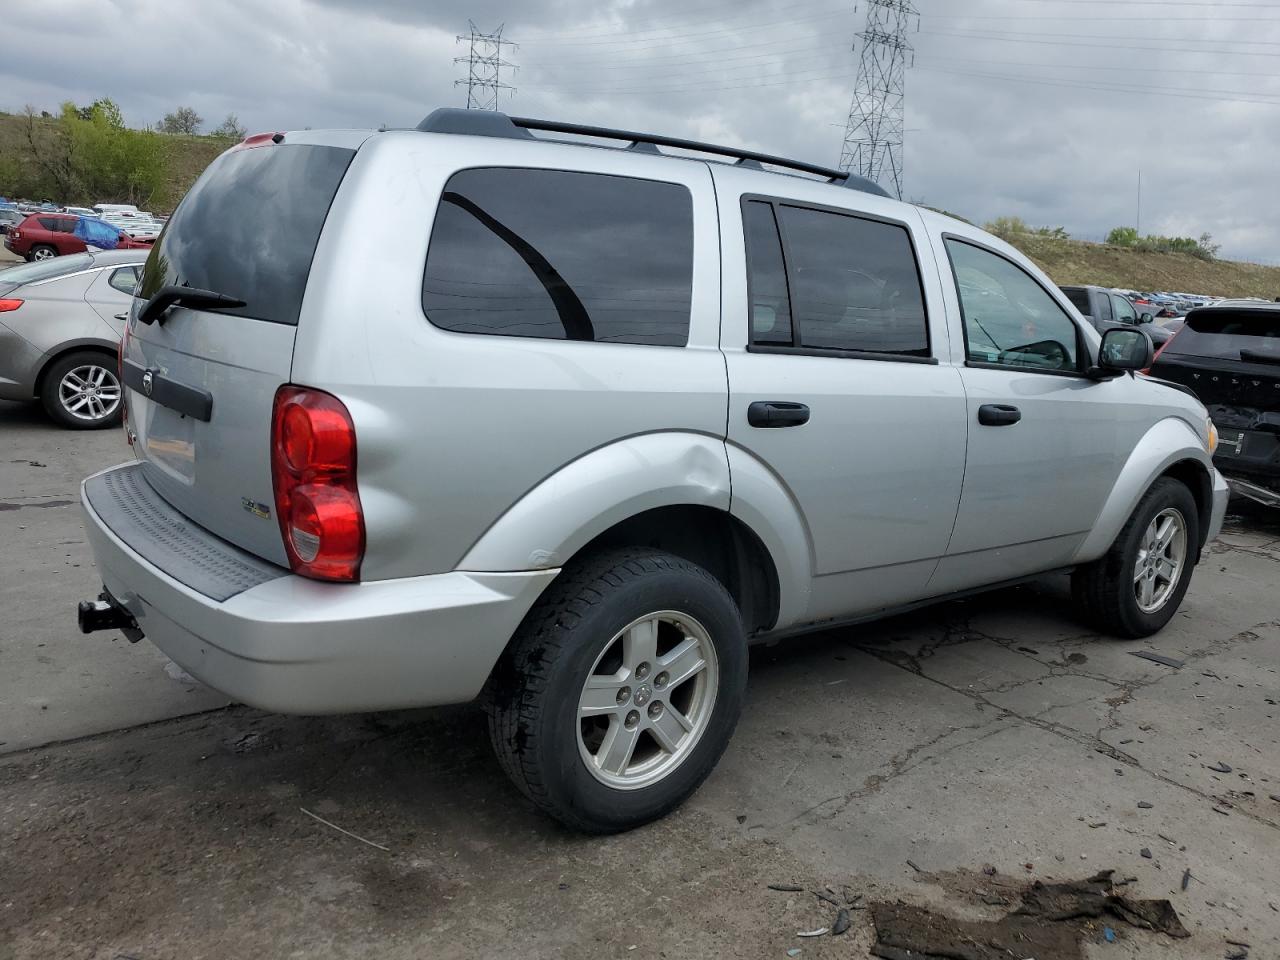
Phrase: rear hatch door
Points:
(201, 381)
(1230, 358)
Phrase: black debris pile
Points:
(1051, 923)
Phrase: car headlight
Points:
(1211, 434)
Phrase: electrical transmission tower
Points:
(873, 132)
(484, 67)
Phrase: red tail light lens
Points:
(7, 306)
(313, 472)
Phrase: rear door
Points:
(1230, 358)
(111, 295)
(201, 382)
(832, 333)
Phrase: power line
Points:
(874, 129)
(484, 67)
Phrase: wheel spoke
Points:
(1166, 569)
(96, 374)
(668, 729)
(615, 752)
(1146, 591)
(109, 392)
(81, 400)
(682, 662)
(1164, 536)
(600, 696)
(640, 645)
(1139, 572)
(74, 382)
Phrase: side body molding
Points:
(1168, 442)
(568, 509)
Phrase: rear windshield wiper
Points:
(194, 297)
(1259, 356)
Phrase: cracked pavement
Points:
(140, 818)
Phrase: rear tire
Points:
(81, 391)
(42, 251)
(1137, 586)
(620, 689)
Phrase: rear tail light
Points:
(15, 234)
(313, 473)
(8, 306)
(1156, 355)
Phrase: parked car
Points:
(45, 235)
(570, 430)
(1228, 354)
(101, 209)
(81, 211)
(1107, 309)
(60, 329)
(9, 218)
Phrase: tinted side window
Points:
(125, 279)
(49, 223)
(1124, 310)
(766, 276)
(1104, 307)
(854, 283)
(563, 256)
(1079, 298)
(1009, 319)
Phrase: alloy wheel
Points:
(1162, 554)
(647, 700)
(89, 392)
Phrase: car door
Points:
(1044, 439)
(829, 331)
(111, 294)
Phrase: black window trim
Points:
(693, 268)
(774, 202)
(1084, 357)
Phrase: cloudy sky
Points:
(1043, 109)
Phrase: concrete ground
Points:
(895, 760)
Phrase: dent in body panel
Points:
(601, 489)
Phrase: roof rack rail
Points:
(489, 123)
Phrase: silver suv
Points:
(422, 416)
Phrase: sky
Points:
(1042, 109)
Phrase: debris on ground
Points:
(913, 866)
(1159, 658)
(1186, 878)
(353, 836)
(786, 888)
(820, 932)
(1050, 924)
(829, 898)
(1144, 805)
(793, 952)
(1219, 767)
(842, 922)
(1145, 852)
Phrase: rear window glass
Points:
(1225, 332)
(249, 227)
(1079, 299)
(562, 256)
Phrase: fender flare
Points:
(604, 487)
(61, 350)
(764, 503)
(1169, 441)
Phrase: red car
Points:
(45, 235)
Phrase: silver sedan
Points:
(60, 330)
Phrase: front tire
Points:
(43, 252)
(620, 689)
(82, 392)
(1137, 586)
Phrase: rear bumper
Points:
(293, 645)
(1221, 494)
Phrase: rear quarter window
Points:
(1079, 299)
(561, 255)
(249, 226)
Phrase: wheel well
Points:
(718, 542)
(78, 348)
(1192, 475)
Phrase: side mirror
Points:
(1125, 350)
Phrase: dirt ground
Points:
(892, 762)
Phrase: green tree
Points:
(109, 161)
(1123, 237)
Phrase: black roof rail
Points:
(489, 123)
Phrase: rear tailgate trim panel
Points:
(130, 507)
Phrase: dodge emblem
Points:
(148, 380)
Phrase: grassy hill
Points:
(21, 176)
(1071, 261)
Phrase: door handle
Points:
(777, 413)
(122, 316)
(998, 415)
